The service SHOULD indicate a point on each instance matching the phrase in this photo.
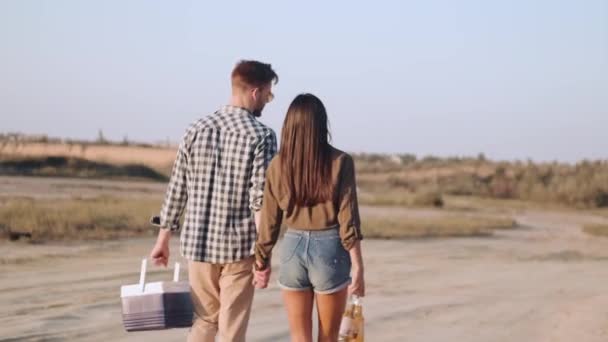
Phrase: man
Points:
(218, 179)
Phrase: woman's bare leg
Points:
(330, 308)
(299, 313)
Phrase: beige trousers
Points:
(222, 295)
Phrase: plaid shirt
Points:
(218, 177)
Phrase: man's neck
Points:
(237, 102)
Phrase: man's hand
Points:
(261, 277)
(160, 251)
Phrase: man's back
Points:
(218, 178)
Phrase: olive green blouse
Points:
(341, 211)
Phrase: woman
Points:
(313, 185)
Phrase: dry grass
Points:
(110, 217)
(76, 219)
(158, 158)
(596, 229)
(580, 185)
(73, 167)
(444, 226)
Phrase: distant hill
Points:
(77, 168)
(158, 158)
(397, 177)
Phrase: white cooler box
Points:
(157, 305)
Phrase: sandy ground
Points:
(545, 281)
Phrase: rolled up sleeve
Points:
(348, 214)
(270, 222)
(176, 196)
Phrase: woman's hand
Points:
(261, 277)
(357, 286)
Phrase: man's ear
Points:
(255, 93)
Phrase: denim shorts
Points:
(314, 260)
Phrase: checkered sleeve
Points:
(264, 152)
(176, 195)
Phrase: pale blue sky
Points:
(512, 79)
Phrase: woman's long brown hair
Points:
(305, 152)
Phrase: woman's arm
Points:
(357, 287)
(350, 224)
(270, 219)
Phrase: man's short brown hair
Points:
(253, 74)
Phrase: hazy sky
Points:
(511, 78)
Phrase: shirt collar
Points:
(229, 109)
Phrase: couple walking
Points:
(236, 194)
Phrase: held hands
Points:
(261, 277)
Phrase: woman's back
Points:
(322, 215)
(309, 183)
(312, 186)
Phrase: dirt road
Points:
(545, 281)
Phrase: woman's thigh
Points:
(330, 308)
(299, 314)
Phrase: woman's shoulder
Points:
(339, 157)
(274, 163)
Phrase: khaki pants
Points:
(222, 295)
